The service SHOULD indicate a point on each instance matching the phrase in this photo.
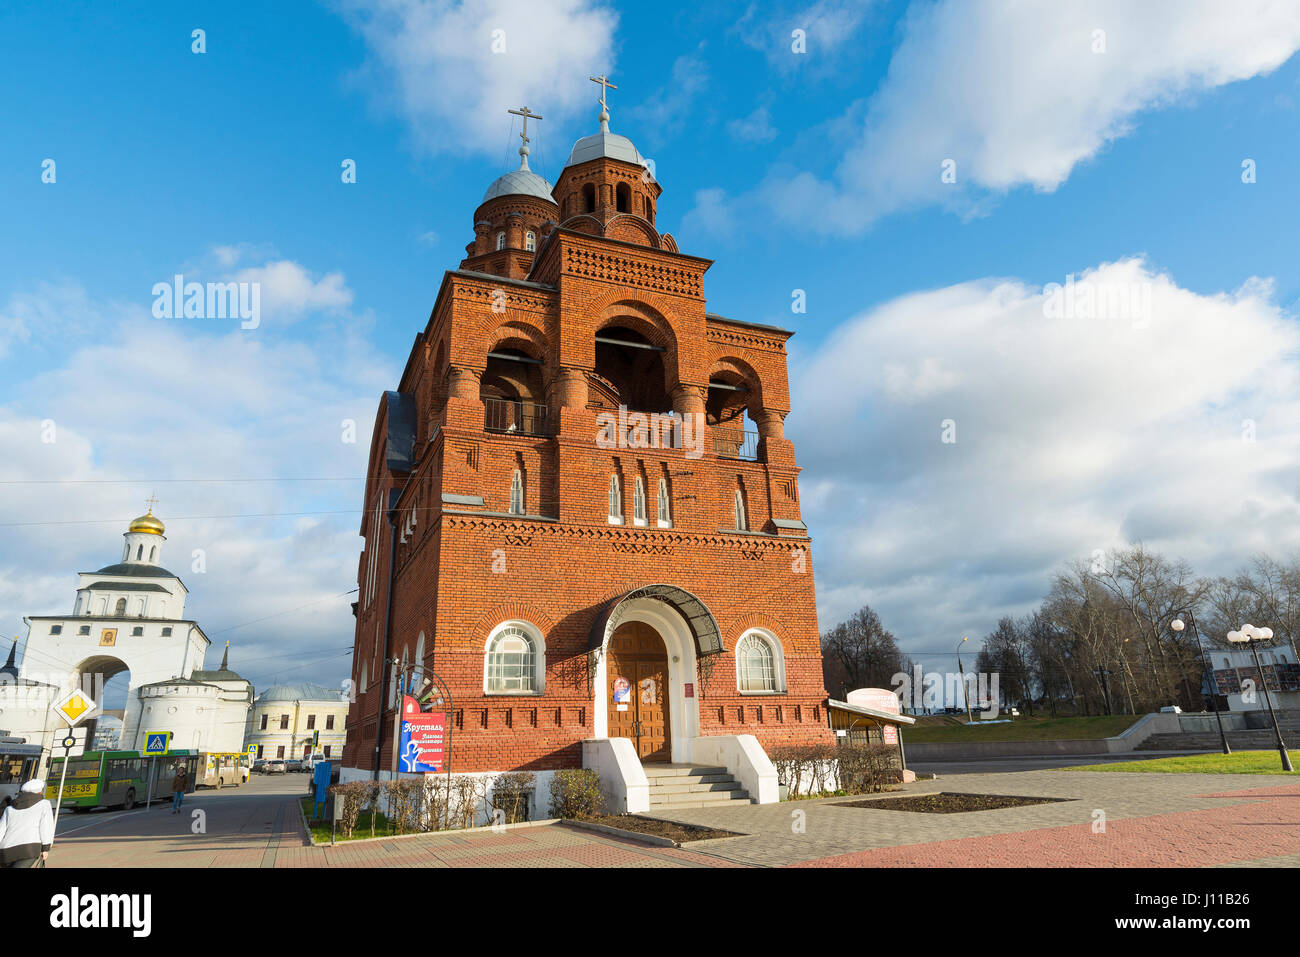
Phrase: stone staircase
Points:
(1250, 740)
(680, 786)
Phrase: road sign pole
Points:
(63, 776)
(148, 786)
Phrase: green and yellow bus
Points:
(117, 778)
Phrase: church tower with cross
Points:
(581, 519)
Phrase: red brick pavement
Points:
(1267, 826)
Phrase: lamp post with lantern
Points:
(1177, 625)
(1251, 636)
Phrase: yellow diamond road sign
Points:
(74, 707)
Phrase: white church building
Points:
(129, 616)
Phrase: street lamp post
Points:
(965, 692)
(1251, 636)
(1177, 625)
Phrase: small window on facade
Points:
(83, 630)
(615, 501)
(279, 752)
(327, 750)
(638, 502)
(501, 241)
(264, 717)
(329, 722)
(623, 198)
(139, 552)
(120, 609)
(740, 511)
(284, 722)
(663, 509)
(56, 629)
(530, 241)
(137, 632)
(756, 665)
(517, 493)
(311, 722)
(259, 752)
(589, 198)
(167, 632)
(153, 554)
(511, 662)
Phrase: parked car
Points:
(293, 765)
(275, 766)
(259, 766)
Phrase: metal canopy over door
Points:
(636, 678)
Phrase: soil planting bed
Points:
(950, 802)
(672, 830)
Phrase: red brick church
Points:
(582, 512)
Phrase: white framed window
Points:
(638, 502)
(501, 241)
(514, 660)
(741, 524)
(615, 501)
(663, 509)
(760, 666)
(517, 493)
(530, 241)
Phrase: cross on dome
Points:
(525, 112)
(605, 87)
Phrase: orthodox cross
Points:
(151, 501)
(605, 87)
(525, 112)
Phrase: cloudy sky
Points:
(927, 173)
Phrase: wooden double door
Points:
(636, 690)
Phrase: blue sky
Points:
(817, 171)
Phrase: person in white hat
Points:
(27, 827)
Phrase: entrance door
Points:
(636, 693)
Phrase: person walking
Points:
(178, 788)
(27, 827)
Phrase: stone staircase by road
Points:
(1253, 740)
(678, 786)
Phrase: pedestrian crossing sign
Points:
(156, 743)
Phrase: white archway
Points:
(683, 712)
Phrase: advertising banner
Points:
(423, 741)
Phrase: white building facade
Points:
(294, 721)
(129, 616)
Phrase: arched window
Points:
(501, 241)
(530, 241)
(615, 501)
(365, 669)
(139, 552)
(589, 198)
(153, 554)
(758, 663)
(741, 524)
(512, 661)
(623, 198)
(638, 502)
(126, 551)
(120, 610)
(663, 510)
(517, 493)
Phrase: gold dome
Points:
(147, 523)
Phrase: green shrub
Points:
(511, 795)
(576, 794)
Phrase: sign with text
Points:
(423, 740)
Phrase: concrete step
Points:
(726, 784)
(680, 770)
(679, 802)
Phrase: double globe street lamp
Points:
(1251, 636)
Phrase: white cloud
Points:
(755, 128)
(1073, 434)
(1014, 95)
(663, 114)
(288, 289)
(157, 405)
(829, 28)
(438, 58)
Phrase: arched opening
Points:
(107, 681)
(589, 198)
(512, 392)
(726, 410)
(623, 198)
(139, 552)
(629, 371)
(153, 554)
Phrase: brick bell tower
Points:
(582, 512)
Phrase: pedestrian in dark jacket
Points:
(27, 827)
(178, 789)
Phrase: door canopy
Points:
(703, 626)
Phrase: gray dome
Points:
(521, 182)
(604, 144)
(136, 569)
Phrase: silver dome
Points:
(521, 182)
(604, 144)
